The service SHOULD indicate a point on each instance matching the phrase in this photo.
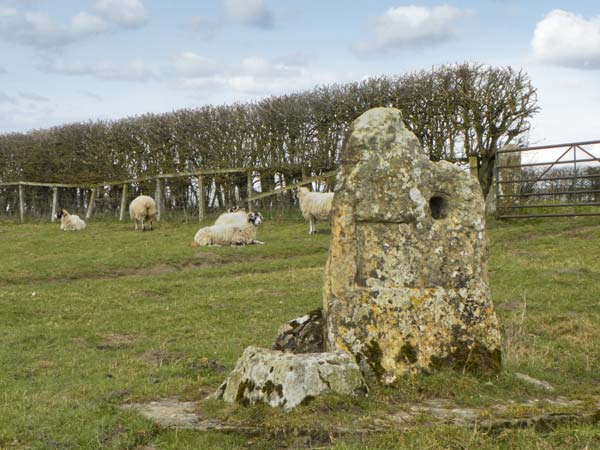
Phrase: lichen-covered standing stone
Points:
(406, 286)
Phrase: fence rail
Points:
(89, 194)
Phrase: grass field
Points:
(94, 320)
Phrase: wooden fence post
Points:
(201, 201)
(123, 202)
(473, 169)
(54, 203)
(21, 204)
(90, 208)
(158, 198)
(249, 190)
(304, 173)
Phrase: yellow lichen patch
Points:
(417, 300)
(372, 329)
(339, 343)
(364, 298)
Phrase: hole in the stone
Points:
(439, 207)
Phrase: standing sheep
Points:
(314, 206)
(230, 232)
(143, 209)
(70, 222)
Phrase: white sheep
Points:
(236, 217)
(237, 233)
(314, 206)
(70, 222)
(143, 209)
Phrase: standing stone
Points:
(406, 286)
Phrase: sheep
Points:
(70, 222)
(314, 205)
(143, 209)
(236, 217)
(237, 233)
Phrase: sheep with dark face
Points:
(237, 228)
(314, 206)
(70, 222)
(142, 210)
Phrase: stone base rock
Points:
(302, 334)
(286, 380)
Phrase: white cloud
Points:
(566, 39)
(37, 29)
(127, 13)
(85, 23)
(133, 71)
(263, 68)
(249, 12)
(251, 76)
(412, 26)
(189, 64)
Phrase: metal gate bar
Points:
(514, 183)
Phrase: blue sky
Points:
(65, 60)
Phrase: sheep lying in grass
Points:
(142, 209)
(314, 206)
(235, 217)
(70, 222)
(237, 228)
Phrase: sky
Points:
(64, 61)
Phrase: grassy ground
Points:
(90, 321)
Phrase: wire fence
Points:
(182, 197)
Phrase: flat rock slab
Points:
(172, 413)
(286, 380)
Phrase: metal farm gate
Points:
(548, 181)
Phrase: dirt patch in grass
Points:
(510, 306)
(209, 365)
(157, 269)
(161, 357)
(151, 270)
(115, 341)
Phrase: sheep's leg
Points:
(257, 242)
(143, 225)
(313, 226)
(135, 221)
